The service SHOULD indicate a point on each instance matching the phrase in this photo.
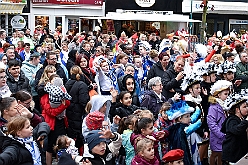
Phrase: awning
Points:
(145, 17)
(11, 8)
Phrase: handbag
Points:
(92, 91)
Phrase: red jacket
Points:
(49, 113)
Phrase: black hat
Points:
(36, 46)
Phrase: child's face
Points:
(177, 162)
(130, 84)
(52, 81)
(243, 109)
(105, 66)
(148, 152)
(185, 119)
(27, 131)
(127, 99)
(68, 141)
(111, 56)
(164, 115)
(148, 130)
(99, 149)
(138, 62)
(195, 90)
(223, 95)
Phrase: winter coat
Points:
(130, 153)
(15, 86)
(29, 70)
(242, 72)
(13, 152)
(234, 146)
(215, 118)
(69, 64)
(178, 140)
(108, 158)
(157, 70)
(169, 82)
(49, 113)
(76, 111)
(141, 161)
(152, 102)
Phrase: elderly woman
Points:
(153, 98)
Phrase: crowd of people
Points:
(97, 99)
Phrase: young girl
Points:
(216, 116)
(235, 143)
(21, 130)
(126, 128)
(145, 153)
(65, 144)
(144, 129)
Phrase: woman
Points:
(71, 60)
(80, 97)
(4, 89)
(158, 69)
(88, 73)
(99, 53)
(153, 98)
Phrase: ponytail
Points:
(141, 124)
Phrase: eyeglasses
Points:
(3, 77)
(26, 103)
(98, 50)
(53, 59)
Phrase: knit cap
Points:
(94, 120)
(93, 139)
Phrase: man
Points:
(51, 59)
(154, 42)
(10, 53)
(2, 36)
(25, 54)
(16, 80)
(105, 42)
(242, 70)
(64, 53)
(28, 33)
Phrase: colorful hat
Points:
(235, 99)
(207, 69)
(189, 80)
(146, 45)
(94, 120)
(173, 155)
(178, 109)
(201, 50)
(219, 35)
(219, 86)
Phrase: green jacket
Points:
(242, 73)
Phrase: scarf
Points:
(196, 100)
(221, 102)
(31, 145)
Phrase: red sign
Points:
(69, 2)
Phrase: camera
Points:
(90, 87)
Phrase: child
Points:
(174, 157)
(163, 123)
(103, 153)
(21, 130)
(234, 146)
(216, 116)
(126, 128)
(65, 144)
(145, 153)
(57, 93)
(178, 132)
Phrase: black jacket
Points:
(169, 82)
(106, 159)
(76, 111)
(13, 152)
(22, 83)
(235, 144)
(157, 70)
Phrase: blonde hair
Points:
(142, 144)
(44, 76)
(144, 113)
(219, 58)
(16, 124)
(77, 71)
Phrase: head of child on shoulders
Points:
(166, 106)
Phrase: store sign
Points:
(69, 2)
(145, 3)
(238, 22)
(18, 22)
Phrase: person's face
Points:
(217, 42)
(124, 60)
(45, 32)
(39, 49)
(128, 51)
(179, 65)
(106, 40)
(111, 56)
(148, 130)
(231, 59)
(177, 162)
(138, 62)
(14, 35)
(27, 131)
(4, 60)
(92, 43)
(64, 46)
(158, 87)
(195, 90)
(243, 109)
(143, 38)
(105, 66)
(164, 115)
(142, 51)
(36, 61)
(223, 95)
(87, 47)
(3, 79)
(10, 54)
(185, 119)
(244, 57)
(129, 70)
(52, 60)
(229, 76)
(14, 71)
(83, 63)
(51, 73)
(98, 51)
(130, 84)
(20, 35)
(103, 108)
(27, 48)
(27, 31)
(26, 103)
(99, 149)
(127, 99)
(213, 77)
(12, 111)
(148, 152)
(165, 61)
(19, 44)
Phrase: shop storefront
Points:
(64, 15)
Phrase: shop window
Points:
(42, 21)
(210, 27)
(58, 24)
(73, 26)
